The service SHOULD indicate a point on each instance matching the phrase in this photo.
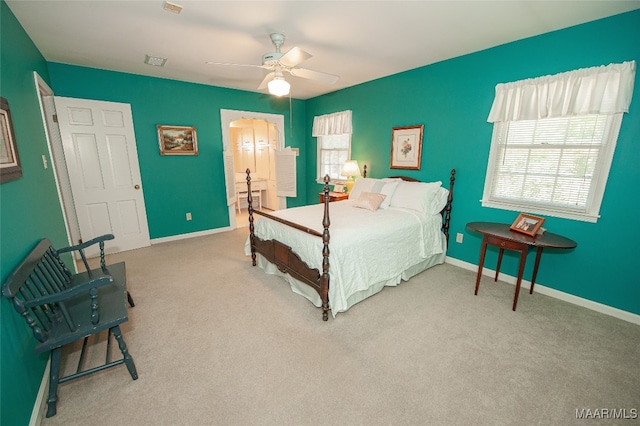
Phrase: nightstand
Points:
(334, 196)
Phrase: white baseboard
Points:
(41, 400)
(548, 291)
(190, 235)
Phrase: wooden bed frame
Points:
(287, 261)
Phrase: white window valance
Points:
(338, 123)
(597, 90)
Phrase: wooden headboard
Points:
(405, 178)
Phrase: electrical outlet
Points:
(189, 216)
(45, 163)
(459, 237)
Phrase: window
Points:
(554, 166)
(333, 151)
(553, 141)
(334, 144)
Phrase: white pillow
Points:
(369, 200)
(415, 195)
(439, 201)
(362, 185)
(385, 186)
(387, 190)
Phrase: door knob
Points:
(137, 187)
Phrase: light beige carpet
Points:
(218, 342)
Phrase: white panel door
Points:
(102, 160)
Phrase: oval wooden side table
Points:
(500, 235)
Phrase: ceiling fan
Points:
(278, 63)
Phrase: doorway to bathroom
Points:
(250, 141)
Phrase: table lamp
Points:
(350, 169)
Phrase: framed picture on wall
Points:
(10, 168)
(406, 147)
(527, 224)
(177, 140)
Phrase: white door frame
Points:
(227, 116)
(54, 145)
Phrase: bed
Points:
(388, 231)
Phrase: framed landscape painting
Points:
(177, 140)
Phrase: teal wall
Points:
(175, 185)
(453, 98)
(29, 210)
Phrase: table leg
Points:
(523, 258)
(535, 269)
(483, 251)
(499, 263)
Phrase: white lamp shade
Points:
(350, 168)
(279, 86)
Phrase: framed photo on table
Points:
(177, 140)
(406, 147)
(527, 224)
(10, 168)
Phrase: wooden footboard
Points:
(287, 261)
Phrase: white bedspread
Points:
(366, 247)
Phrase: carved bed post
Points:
(252, 236)
(324, 296)
(364, 173)
(446, 214)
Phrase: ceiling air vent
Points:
(154, 60)
(172, 7)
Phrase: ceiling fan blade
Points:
(235, 65)
(266, 80)
(314, 75)
(294, 57)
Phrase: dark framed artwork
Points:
(177, 140)
(10, 168)
(406, 147)
(527, 224)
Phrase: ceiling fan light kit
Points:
(279, 86)
(277, 62)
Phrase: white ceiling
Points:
(357, 40)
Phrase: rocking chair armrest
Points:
(68, 293)
(86, 244)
